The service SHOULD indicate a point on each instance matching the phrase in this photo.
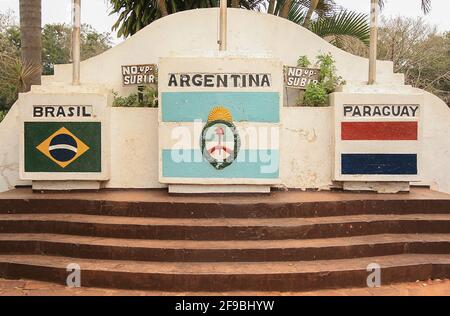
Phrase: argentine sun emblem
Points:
(219, 139)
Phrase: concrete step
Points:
(223, 251)
(276, 205)
(226, 276)
(224, 228)
(285, 241)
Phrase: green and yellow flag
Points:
(62, 146)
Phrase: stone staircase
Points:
(277, 243)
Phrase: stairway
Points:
(278, 243)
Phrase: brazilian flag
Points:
(62, 146)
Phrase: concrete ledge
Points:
(65, 185)
(194, 188)
(379, 187)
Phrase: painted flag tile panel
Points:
(379, 164)
(245, 106)
(62, 146)
(379, 130)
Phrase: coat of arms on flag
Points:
(220, 140)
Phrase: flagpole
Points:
(373, 42)
(223, 25)
(76, 29)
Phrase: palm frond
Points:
(324, 7)
(297, 13)
(426, 6)
(343, 25)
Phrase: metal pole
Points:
(223, 25)
(373, 42)
(76, 41)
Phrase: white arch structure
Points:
(134, 140)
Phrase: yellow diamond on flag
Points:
(63, 147)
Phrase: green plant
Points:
(14, 75)
(303, 61)
(127, 101)
(315, 95)
(2, 115)
(342, 28)
(328, 77)
(145, 97)
(331, 22)
(150, 96)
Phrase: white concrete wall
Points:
(306, 145)
(435, 143)
(9, 150)
(306, 159)
(134, 149)
(99, 98)
(192, 33)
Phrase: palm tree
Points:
(161, 4)
(331, 23)
(284, 13)
(336, 25)
(312, 8)
(136, 14)
(31, 43)
(284, 8)
(271, 6)
(342, 27)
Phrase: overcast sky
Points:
(95, 12)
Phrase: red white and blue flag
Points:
(379, 140)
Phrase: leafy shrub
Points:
(315, 95)
(328, 76)
(147, 97)
(151, 96)
(303, 61)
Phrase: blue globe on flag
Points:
(63, 147)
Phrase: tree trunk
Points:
(162, 7)
(285, 9)
(31, 42)
(235, 3)
(311, 10)
(271, 8)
